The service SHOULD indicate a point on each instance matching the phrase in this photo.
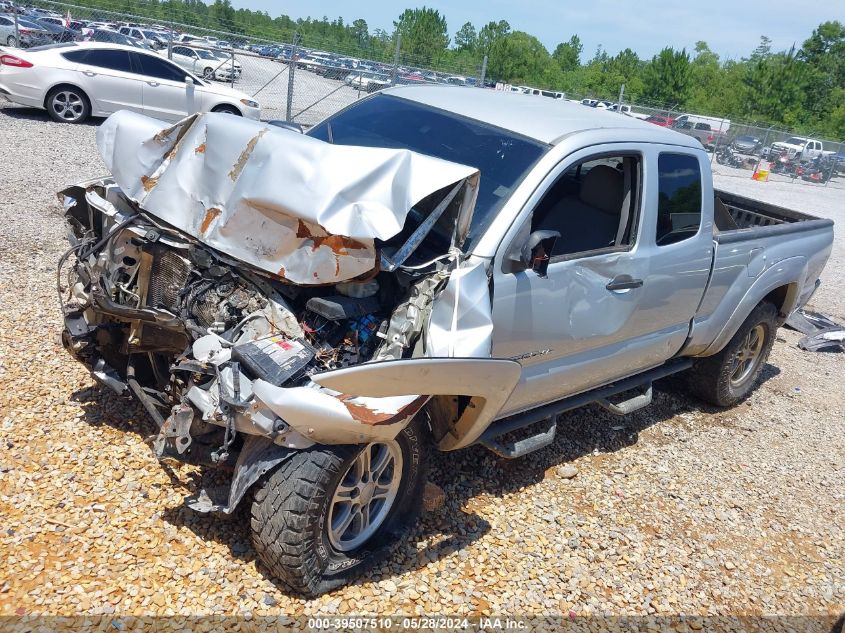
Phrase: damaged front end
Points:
(243, 282)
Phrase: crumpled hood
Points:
(292, 205)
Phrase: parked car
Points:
(31, 33)
(202, 62)
(76, 25)
(715, 123)
(60, 33)
(148, 36)
(228, 59)
(75, 80)
(800, 148)
(107, 36)
(368, 82)
(747, 144)
(708, 137)
(661, 121)
(263, 303)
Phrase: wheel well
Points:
(67, 85)
(783, 298)
(227, 107)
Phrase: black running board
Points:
(548, 412)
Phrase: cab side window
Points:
(679, 198)
(593, 205)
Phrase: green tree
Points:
(424, 34)
(466, 39)
(361, 32)
(568, 54)
(490, 34)
(777, 89)
(667, 78)
(518, 58)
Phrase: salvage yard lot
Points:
(314, 97)
(678, 508)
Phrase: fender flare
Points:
(788, 272)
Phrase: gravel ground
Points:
(677, 508)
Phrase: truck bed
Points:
(738, 218)
(756, 244)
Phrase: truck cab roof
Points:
(545, 120)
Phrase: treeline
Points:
(800, 89)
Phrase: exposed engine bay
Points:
(223, 353)
(172, 320)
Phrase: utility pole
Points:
(621, 96)
(483, 72)
(291, 69)
(396, 58)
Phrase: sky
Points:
(732, 28)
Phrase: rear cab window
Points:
(679, 197)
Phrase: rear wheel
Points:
(728, 377)
(330, 512)
(68, 104)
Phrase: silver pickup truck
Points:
(429, 269)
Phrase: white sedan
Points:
(205, 63)
(75, 80)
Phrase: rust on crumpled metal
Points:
(250, 147)
(210, 215)
(365, 415)
(149, 182)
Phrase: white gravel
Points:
(678, 508)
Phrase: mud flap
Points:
(258, 456)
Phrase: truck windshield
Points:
(502, 157)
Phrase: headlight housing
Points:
(250, 103)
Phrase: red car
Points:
(662, 121)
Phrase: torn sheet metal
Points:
(461, 323)
(292, 205)
(330, 417)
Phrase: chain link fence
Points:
(305, 79)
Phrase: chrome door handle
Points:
(623, 282)
(89, 73)
(153, 83)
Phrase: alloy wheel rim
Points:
(746, 359)
(364, 495)
(68, 105)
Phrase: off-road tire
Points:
(290, 509)
(710, 377)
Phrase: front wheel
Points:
(208, 73)
(11, 41)
(225, 109)
(330, 512)
(728, 377)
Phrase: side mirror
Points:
(535, 252)
(189, 81)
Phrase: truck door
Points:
(623, 281)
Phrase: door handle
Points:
(623, 282)
(153, 83)
(89, 73)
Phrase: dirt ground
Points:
(676, 509)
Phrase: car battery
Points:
(275, 359)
